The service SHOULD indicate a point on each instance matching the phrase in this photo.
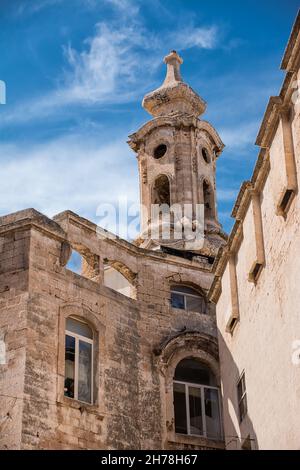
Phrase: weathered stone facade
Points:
(137, 341)
(38, 293)
(184, 175)
(257, 282)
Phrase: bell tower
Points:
(177, 153)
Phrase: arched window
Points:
(186, 298)
(161, 190)
(78, 360)
(118, 277)
(196, 400)
(84, 263)
(75, 262)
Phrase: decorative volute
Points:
(174, 95)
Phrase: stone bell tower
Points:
(177, 153)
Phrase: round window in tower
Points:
(205, 155)
(160, 151)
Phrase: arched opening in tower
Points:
(161, 190)
(208, 200)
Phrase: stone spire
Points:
(174, 96)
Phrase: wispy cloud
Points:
(204, 37)
(227, 195)
(116, 64)
(238, 137)
(128, 7)
(108, 67)
(35, 6)
(106, 71)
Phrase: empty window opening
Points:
(186, 298)
(205, 155)
(161, 190)
(196, 400)
(232, 324)
(208, 200)
(84, 263)
(75, 262)
(242, 397)
(78, 360)
(159, 151)
(254, 274)
(286, 201)
(114, 279)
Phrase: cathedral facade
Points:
(169, 342)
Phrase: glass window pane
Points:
(180, 408)
(79, 327)
(69, 366)
(191, 370)
(212, 413)
(196, 425)
(195, 304)
(85, 372)
(177, 301)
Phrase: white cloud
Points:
(35, 6)
(73, 172)
(129, 7)
(227, 195)
(204, 38)
(118, 61)
(108, 68)
(239, 137)
(115, 65)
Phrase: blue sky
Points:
(76, 72)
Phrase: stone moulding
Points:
(177, 119)
(268, 125)
(290, 59)
(275, 106)
(184, 344)
(157, 101)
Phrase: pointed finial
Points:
(173, 95)
(173, 61)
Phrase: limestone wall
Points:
(264, 341)
(130, 409)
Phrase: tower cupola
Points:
(177, 153)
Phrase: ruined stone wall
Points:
(14, 250)
(130, 409)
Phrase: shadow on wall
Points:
(239, 432)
